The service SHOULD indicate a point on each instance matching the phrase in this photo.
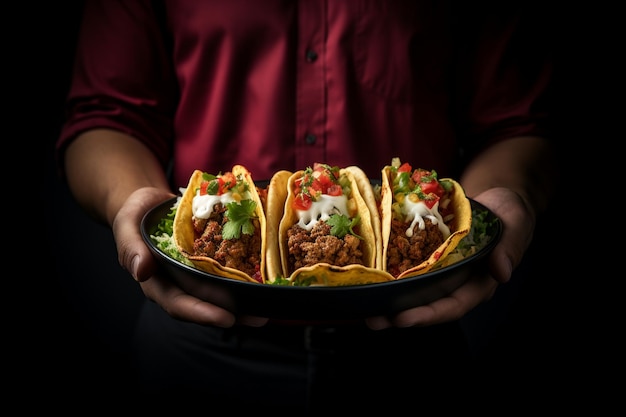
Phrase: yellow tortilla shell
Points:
(333, 275)
(459, 226)
(324, 274)
(183, 233)
(276, 196)
(367, 192)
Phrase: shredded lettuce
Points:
(163, 236)
(473, 242)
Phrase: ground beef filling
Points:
(403, 252)
(309, 248)
(243, 254)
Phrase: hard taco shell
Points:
(367, 192)
(459, 226)
(333, 275)
(276, 196)
(324, 274)
(183, 232)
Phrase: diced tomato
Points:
(203, 187)
(218, 185)
(316, 187)
(431, 200)
(334, 190)
(317, 166)
(405, 167)
(226, 182)
(432, 187)
(325, 180)
(302, 202)
(418, 174)
(321, 179)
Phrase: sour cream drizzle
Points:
(417, 211)
(322, 209)
(202, 205)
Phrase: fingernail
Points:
(134, 265)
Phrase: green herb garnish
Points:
(240, 217)
(341, 225)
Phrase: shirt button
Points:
(311, 55)
(310, 139)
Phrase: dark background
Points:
(80, 311)
(80, 323)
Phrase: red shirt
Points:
(278, 84)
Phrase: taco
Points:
(220, 225)
(327, 234)
(423, 218)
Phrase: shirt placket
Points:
(310, 83)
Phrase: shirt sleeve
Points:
(122, 78)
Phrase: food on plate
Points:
(423, 218)
(327, 234)
(323, 225)
(220, 225)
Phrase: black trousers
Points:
(298, 368)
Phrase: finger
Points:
(183, 306)
(500, 264)
(517, 231)
(452, 307)
(133, 254)
(378, 323)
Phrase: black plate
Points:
(316, 303)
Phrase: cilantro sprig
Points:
(341, 225)
(240, 216)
